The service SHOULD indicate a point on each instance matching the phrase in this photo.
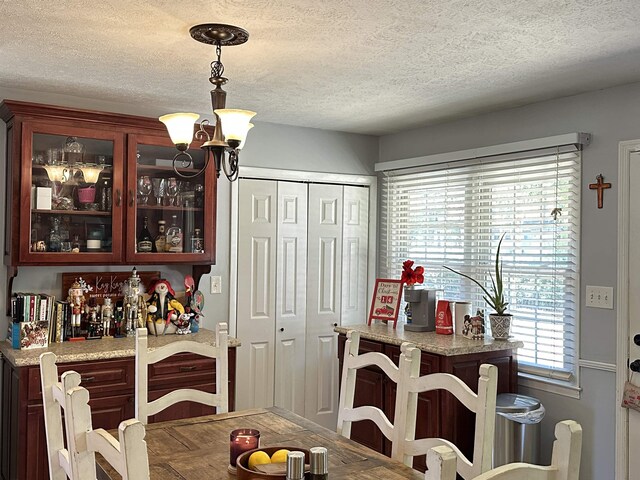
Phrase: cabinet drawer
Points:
(184, 369)
(100, 378)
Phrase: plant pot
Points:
(500, 326)
(412, 293)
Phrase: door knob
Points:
(635, 366)
(636, 339)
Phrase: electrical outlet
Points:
(599, 297)
(216, 284)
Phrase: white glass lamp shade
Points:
(235, 123)
(91, 174)
(180, 126)
(245, 137)
(57, 173)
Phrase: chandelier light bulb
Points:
(180, 127)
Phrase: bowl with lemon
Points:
(266, 463)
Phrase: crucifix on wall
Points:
(600, 186)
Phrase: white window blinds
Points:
(455, 214)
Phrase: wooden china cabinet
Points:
(79, 186)
(90, 178)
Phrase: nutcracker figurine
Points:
(77, 301)
(133, 302)
(107, 317)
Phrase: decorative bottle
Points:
(197, 243)
(161, 238)
(145, 240)
(174, 237)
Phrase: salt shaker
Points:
(319, 464)
(295, 466)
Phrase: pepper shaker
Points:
(319, 464)
(295, 466)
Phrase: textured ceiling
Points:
(366, 66)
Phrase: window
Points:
(454, 215)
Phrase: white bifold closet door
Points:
(302, 269)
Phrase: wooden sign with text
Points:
(386, 300)
(105, 284)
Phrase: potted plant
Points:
(500, 320)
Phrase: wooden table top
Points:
(198, 448)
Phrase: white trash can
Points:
(517, 436)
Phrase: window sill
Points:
(550, 385)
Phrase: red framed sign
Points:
(386, 300)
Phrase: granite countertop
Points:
(106, 348)
(430, 342)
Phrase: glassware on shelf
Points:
(198, 196)
(66, 246)
(171, 190)
(158, 189)
(55, 241)
(73, 151)
(197, 243)
(144, 188)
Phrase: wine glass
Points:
(158, 189)
(144, 188)
(172, 188)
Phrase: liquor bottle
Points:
(174, 237)
(197, 244)
(145, 240)
(161, 238)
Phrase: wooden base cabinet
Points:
(439, 413)
(111, 388)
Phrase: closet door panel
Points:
(256, 320)
(323, 302)
(291, 296)
(355, 240)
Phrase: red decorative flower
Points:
(411, 275)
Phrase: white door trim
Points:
(625, 149)
(299, 176)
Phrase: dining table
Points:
(198, 448)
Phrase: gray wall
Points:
(610, 115)
(269, 145)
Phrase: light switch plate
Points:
(216, 284)
(599, 297)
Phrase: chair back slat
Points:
(347, 414)
(565, 460)
(146, 357)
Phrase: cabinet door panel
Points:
(291, 305)
(65, 204)
(256, 311)
(324, 297)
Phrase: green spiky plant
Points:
(495, 297)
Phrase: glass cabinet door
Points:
(73, 178)
(172, 217)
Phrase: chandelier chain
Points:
(217, 68)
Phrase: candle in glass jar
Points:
(242, 440)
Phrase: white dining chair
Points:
(347, 414)
(53, 403)
(565, 460)
(127, 455)
(146, 357)
(483, 404)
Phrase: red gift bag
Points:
(444, 319)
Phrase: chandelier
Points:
(232, 125)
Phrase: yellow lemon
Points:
(280, 456)
(258, 458)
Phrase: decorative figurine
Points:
(194, 303)
(163, 309)
(76, 300)
(133, 303)
(118, 320)
(183, 323)
(107, 317)
(94, 325)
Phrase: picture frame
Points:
(385, 303)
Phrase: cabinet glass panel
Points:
(71, 194)
(169, 208)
